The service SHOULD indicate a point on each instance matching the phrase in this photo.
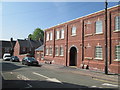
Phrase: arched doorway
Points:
(73, 56)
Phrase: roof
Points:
(29, 43)
(40, 48)
(7, 43)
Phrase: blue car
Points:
(14, 59)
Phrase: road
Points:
(16, 75)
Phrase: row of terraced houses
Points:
(81, 42)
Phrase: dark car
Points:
(14, 59)
(29, 61)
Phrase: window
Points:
(57, 34)
(62, 34)
(51, 36)
(117, 23)
(46, 51)
(56, 51)
(117, 52)
(61, 51)
(98, 25)
(73, 31)
(50, 51)
(98, 52)
(47, 37)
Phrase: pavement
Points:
(86, 72)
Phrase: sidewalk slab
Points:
(87, 72)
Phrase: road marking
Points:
(11, 72)
(22, 77)
(47, 78)
(107, 84)
(105, 81)
(93, 86)
(29, 86)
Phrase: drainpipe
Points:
(82, 41)
(66, 44)
(110, 42)
(106, 49)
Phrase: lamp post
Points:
(106, 49)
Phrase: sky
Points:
(19, 19)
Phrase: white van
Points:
(6, 56)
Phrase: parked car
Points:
(29, 61)
(6, 56)
(14, 59)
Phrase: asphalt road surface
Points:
(16, 75)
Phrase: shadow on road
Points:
(38, 85)
(6, 66)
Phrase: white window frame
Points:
(56, 51)
(117, 53)
(98, 54)
(47, 37)
(57, 35)
(50, 51)
(62, 34)
(50, 35)
(73, 31)
(99, 27)
(47, 51)
(61, 51)
(117, 23)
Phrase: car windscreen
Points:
(31, 58)
(16, 57)
(7, 56)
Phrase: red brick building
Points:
(81, 42)
(25, 47)
(39, 55)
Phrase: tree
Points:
(38, 34)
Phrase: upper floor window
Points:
(98, 52)
(98, 26)
(62, 34)
(50, 35)
(117, 52)
(73, 31)
(47, 37)
(57, 35)
(117, 23)
(61, 51)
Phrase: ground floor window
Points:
(98, 52)
(50, 51)
(117, 52)
(56, 51)
(61, 51)
(46, 51)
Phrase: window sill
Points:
(99, 33)
(116, 31)
(98, 58)
(56, 55)
(73, 35)
(61, 55)
(117, 60)
(56, 39)
(61, 38)
(89, 58)
(86, 35)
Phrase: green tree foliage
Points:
(38, 34)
